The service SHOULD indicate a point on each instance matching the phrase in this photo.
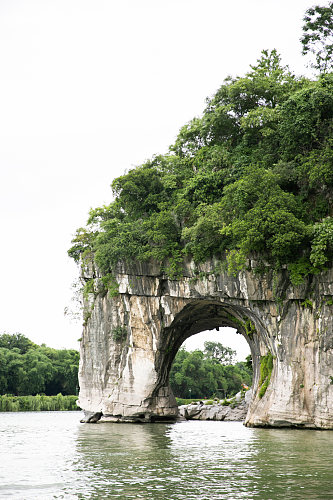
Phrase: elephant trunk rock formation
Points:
(130, 340)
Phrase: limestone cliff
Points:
(125, 377)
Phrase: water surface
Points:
(50, 455)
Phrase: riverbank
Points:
(234, 409)
(40, 402)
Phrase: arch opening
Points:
(207, 315)
(225, 335)
(212, 365)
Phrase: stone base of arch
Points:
(126, 379)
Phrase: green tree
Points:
(261, 217)
(16, 341)
(38, 371)
(250, 178)
(65, 365)
(317, 38)
(29, 369)
(198, 375)
(215, 351)
(12, 370)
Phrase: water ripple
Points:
(49, 455)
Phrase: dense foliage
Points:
(253, 176)
(29, 369)
(200, 374)
(40, 402)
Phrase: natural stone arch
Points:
(199, 315)
(127, 379)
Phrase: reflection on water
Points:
(127, 458)
(51, 455)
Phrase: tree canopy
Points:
(212, 372)
(28, 369)
(318, 36)
(252, 176)
(216, 352)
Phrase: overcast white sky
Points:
(89, 88)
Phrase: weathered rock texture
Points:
(127, 379)
(200, 411)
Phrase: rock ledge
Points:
(217, 411)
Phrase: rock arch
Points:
(130, 340)
(201, 314)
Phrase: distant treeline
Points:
(27, 369)
(38, 403)
(34, 377)
(209, 373)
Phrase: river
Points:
(50, 455)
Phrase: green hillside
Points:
(250, 178)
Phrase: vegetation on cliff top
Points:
(251, 177)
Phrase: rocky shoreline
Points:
(236, 410)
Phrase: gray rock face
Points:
(214, 412)
(127, 379)
(91, 418)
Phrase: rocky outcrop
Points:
(234, 409)
(91, 418)
(217, 411)
(130, 340)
